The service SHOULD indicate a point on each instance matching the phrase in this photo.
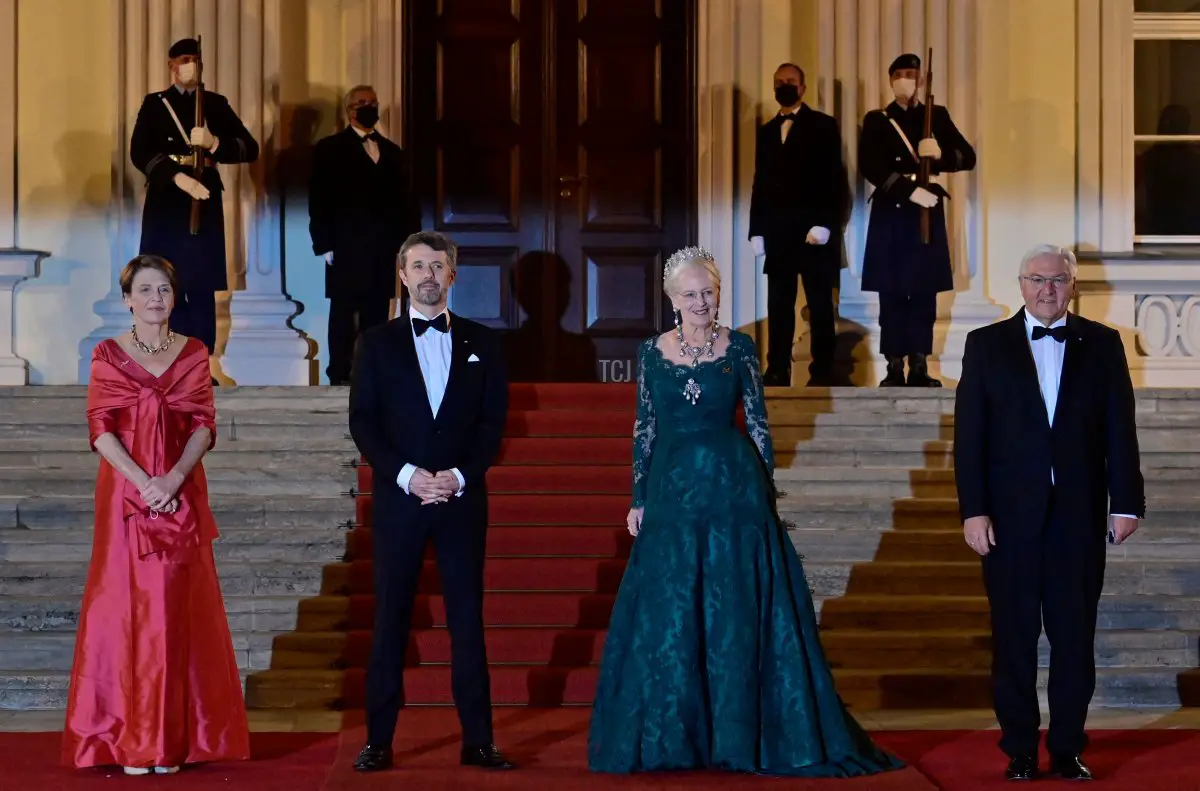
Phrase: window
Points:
(1166, 121)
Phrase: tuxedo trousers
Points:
(398, 553)
(819, 281)
(1050, 576)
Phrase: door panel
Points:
(554, 141)
(625, 154)
(475, 122)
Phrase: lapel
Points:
(410, 365)
(1029, 389)
(460, 349)
(1072, 362)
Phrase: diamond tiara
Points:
(681, 257)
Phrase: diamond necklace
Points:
(691, 390)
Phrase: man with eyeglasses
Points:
(1047, 465)
(360, 211)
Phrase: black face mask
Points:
(367, 115)
(787, 94)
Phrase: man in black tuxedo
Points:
(428, 403)
(161, 148)
(798, 203)
(360, 210)
(1045, 449)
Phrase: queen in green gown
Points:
(712, 658)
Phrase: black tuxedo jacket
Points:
(361, 211)
(392, 423)
(798, 184)
(1004, 445)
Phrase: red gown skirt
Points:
(154, 680)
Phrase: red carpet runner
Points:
(556, 552)
(551, 748)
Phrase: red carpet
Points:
(551, 748)
(556, 552)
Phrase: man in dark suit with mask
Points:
(797, 209)
(360, 211)
(161, 147)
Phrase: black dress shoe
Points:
(1022, 767)
(1069, 767)
(373, 759)
(486, 757)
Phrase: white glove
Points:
(203, 138)
(756, 244)
(817, 235)
(191, 186)
(329, 258)
(923, 197)
(929, 148)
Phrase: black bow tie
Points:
(420, 325)
(1058, 333)
(372, 136)
(788, 116)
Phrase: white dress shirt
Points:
(370, 145)
(1048, 357)
(433, 353)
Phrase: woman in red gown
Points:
(154, 684)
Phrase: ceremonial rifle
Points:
(926, 162)
(197, 151)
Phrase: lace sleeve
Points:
(643, 429)
(754, 403)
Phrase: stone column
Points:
(262, 348)
(859, 40)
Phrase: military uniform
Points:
(905, 272)
(160, 148)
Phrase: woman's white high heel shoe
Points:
(166, 770)
(136, 770)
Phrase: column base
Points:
(262, 349)
(16, 265)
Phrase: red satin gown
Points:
(154, 681)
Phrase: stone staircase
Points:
(280, 485)
(869, 485)
(868, 482)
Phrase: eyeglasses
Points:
(1037, 281)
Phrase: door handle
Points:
(566, 182)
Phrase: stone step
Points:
(1180, 449)
(269, 578)
(317, 481)
(71, 434)
(60, 613)
(54, 651)
(44, 690)
(301, 460)
(230, 511)
(1119, 611)
(972, 650)
(292, 544)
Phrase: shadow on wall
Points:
(540, 349)
(85, 209)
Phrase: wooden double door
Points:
(554, 141)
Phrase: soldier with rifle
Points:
(181, 134)
(903, 151)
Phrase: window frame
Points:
(1159, 26)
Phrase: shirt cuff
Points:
(462, 482)
(1127, 516)
(406, 474)
(216, 143)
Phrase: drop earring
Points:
(678, 317)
